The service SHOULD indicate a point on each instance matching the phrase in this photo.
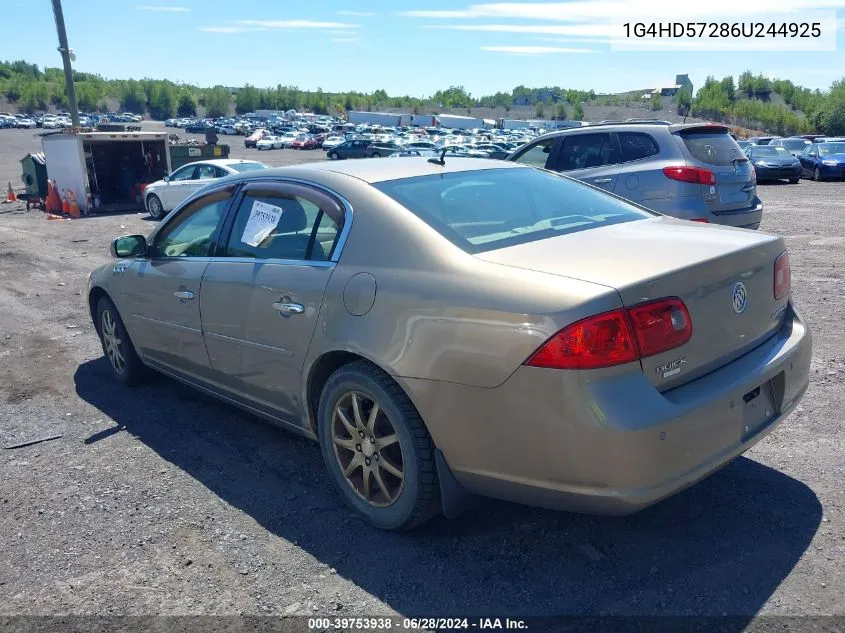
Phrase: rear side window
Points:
(712, 148)
(636, 145)
(583, 151)
(483, 210)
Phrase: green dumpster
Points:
(34, 175)
(184, 154)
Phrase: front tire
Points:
(332, 156)
(817, 175)
(377, 450)
(125, 364)
(793, 181)
(155, 207)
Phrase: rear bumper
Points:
(611, 443)
(695, 208)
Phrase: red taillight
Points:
(617, 337)
(598, 341)
(695, 175)
(660, 325)
(783, 276)
(701, 220)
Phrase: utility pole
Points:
(65, 52)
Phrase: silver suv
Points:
(692, 171)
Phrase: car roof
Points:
(223, 162)
(372, 170)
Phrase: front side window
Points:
(272, 224)
(537, 155)
(184, 173)
(487, 209)
(193, 231)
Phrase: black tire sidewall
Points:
(402, 510)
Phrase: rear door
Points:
(641, 176)
(263, 291)
(715, 150)
(593, 157)
(163, 298)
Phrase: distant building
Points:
(681, 81)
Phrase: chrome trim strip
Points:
(182, 328)
(308, 263)
(240, 341)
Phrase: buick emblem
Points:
(739, 297)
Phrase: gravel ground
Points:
(159, 500)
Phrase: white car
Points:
(25, 123)
(333, 141)
(227, 129)
(288, 138)
(269, 142)
(166, 194)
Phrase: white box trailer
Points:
(381, 118)
(106, 169)
(423, 120)
(513, 124)
(457, 122)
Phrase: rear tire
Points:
(155, 207)
(376, 155)
(118, 349)
(793, 181)
(364, 469)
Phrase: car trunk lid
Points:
(665, 257)
(711, 147)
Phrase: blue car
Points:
(820, 161)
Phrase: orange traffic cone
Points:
(10, 196)
(65, 203)
(73, 205)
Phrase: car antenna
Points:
(439, 161)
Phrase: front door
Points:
(181, 184)
(163, 302)
(261, 295)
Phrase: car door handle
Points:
(603, 181)
(289, 308)
(183, 294)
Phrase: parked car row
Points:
(63, 120)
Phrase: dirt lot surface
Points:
(159, 500)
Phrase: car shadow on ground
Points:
(721, 547)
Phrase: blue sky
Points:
(403, 46)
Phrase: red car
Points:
(252, 139)
(304, 143)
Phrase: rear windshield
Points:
(248, 166)
(770, 150)
(712, 148)
(794, 143)
(494, 208)
(826, 149)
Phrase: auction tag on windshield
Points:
(263, 218)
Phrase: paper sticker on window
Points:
(263, 218)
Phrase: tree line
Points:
(749, 101)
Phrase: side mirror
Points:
(166, 179)
(129, 246)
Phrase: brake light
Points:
(617, 337)
(660, 325)
(783, 276)
(603, 340)
(700, 220)
(695, 175)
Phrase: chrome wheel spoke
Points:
(348, 444)
(354, 463)
(371, 421)
(345, 421)
(380, 481)
(387, 440)
(386, 465)
(356, 411)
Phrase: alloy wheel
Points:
(367, 449)
(155, 207)
(112, 342)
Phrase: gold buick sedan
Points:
(465, 326)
